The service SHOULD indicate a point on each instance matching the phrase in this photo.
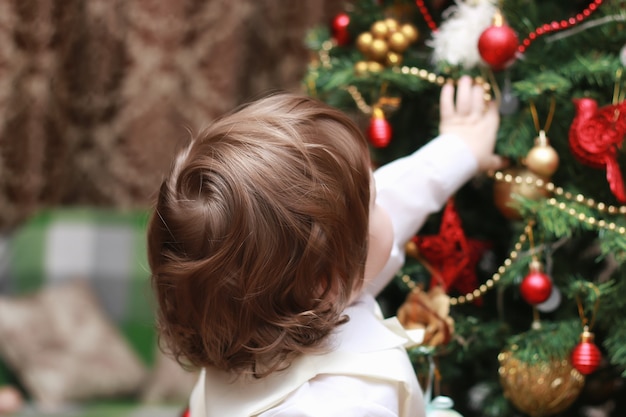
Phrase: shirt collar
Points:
(366, 331)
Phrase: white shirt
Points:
(368, 374)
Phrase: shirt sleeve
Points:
(413, 187)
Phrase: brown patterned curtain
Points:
(96, 95)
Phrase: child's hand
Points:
(472, 119)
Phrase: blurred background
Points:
(95, 97)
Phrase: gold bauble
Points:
(392, 24)
(539, 389)
(542, 159)
(373, 66)
(409, 31)
(393, 59)
(398, 42)
(522, 182)
(364, 41)
(379, 29)
(378, 50)
(360, 67)
(411, 249)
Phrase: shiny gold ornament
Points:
(411, 249)
(379, 29)
(539, 389)
(393, 59)
(398, 42)
(517, 181)
(360, 67)
(373, 66)
(392, 24)
(378, 50)
(542, 159)
(410, 32)
(386, 36)
(364, 41)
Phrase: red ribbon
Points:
(595, 138)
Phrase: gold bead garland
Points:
(592, 221)
(559, 191)
(440, 80)
(490, 283)
(324, 53)
(431, 77)
(359, 100)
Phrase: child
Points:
(271, 238)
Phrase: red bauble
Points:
(497, 44)
(536, 286)
(339, 29)
(379, 130)
(586, 356)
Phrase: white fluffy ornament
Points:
(456, 40)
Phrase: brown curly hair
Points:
(259, 235)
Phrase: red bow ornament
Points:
(596, 136)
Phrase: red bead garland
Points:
(426, 14)
(556, 26)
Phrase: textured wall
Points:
(95, 95)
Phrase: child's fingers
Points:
(494, 162)
(478, 99)
(446, 101)
(487, 110)
(464, 95)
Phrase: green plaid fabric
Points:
(111, 410)
(105, 247)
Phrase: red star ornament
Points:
(451, 255)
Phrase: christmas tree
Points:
(521, 279)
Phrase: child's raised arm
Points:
(472, 119)
(413, 187)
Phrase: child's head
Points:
(259, 235)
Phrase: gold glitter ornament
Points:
(539, 389)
